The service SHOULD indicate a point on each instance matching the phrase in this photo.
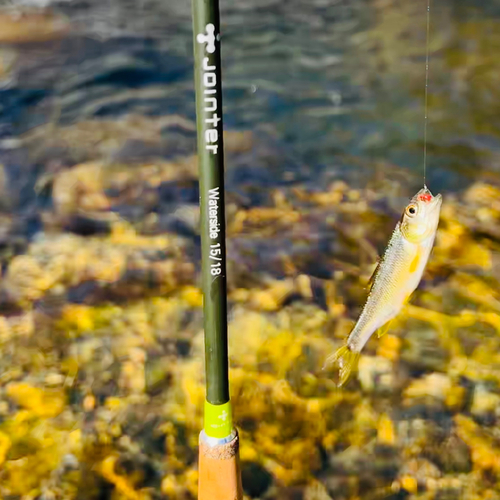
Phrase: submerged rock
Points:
(376, 374)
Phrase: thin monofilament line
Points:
(426, 86)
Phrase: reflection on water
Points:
(101, 383)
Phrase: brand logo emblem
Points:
(209, 38)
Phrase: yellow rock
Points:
(27, 278)
(88, 402)
(124, 234)
(45, 404)
(115, 430)
(486, 214)
(353, 195)
(121, 483)
(330, 198)
(264, 301)
(483, 194)
(484, 452)
(330, 440)
(248, 452)
(192, 295)
(272, 297)
(23, 325)
(248, 331)
(455, 397)
(375, 372)
(484, 401)
(385, 430)
(169, 486)
(132, 375)
(191, 481)
(113, 403)
(79, 188)
(54, 379)
(477, 290)
(304, 286)
(333, 196)
(409, 483)
(78, 317)
(236, 224)
(455, 244)
(5, 444)
(316, 491)
(75, 441)
(389, 347)
(5, 330)
(435, 385)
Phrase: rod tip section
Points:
(219, 470)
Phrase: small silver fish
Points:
(396, 277)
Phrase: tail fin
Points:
(347, 360)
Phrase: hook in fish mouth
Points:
(425, 195)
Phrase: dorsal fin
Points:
(374, 274)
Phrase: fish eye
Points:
(411, 210)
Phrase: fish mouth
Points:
(426, 196)
(435, 203)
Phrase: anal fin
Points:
(387, 326)
(384, 328)
(407, 299)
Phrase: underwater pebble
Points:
(422, 471)
(422, 350)
(79, 188)
(453, 456)
(375, 374)
(54, 379)
(485, 404)
(435, 385)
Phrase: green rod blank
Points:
(211, 171)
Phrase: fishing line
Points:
(426, 86)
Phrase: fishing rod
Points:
(219, 468)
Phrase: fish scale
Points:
(386, 291)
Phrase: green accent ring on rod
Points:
(218, 420)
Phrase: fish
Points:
(395, 278)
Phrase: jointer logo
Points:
(209, 38)
(209, 79)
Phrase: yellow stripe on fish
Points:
(396, 277)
